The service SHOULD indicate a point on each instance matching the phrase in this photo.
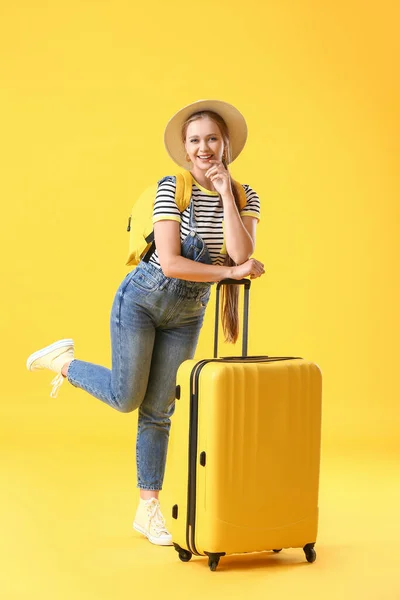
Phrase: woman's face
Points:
(204, 142)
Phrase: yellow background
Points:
(86, 90)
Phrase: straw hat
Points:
(233, 118)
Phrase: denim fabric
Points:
(155, 325)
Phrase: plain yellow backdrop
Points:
(86, 90)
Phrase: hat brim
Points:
(234, 120)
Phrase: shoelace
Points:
(156, 518)
(56, 383)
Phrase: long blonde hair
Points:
(230, 293)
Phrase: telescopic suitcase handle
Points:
(247, 284)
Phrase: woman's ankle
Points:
(64, 369)
(147, 494)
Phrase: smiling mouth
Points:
(206, 157)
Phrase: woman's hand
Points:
(220, 178)
(252, 267)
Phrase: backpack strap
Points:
(241, 193)
(183, 192)
(151, 249)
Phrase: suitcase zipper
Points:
(256, 359)
(193, 434)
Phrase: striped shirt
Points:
(209, 214)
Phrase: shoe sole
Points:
(46, 350)
(152, 539)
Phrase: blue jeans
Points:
(155, 325)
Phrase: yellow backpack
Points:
(141, 233)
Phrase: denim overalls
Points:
(155, 325)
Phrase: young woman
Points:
(159, 307)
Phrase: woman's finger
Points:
(211, 170)
(217, 168)
(217, 176)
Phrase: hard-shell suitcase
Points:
(244, 454)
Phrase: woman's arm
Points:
(168, 244)
(240, 232)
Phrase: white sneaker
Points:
(150, 522)
(52, 357)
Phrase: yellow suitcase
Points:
(244, 454)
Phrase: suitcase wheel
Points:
(213, 564)
(310, 553)
(184, 555)
(213, 559)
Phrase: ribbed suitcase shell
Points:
(243, 461)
